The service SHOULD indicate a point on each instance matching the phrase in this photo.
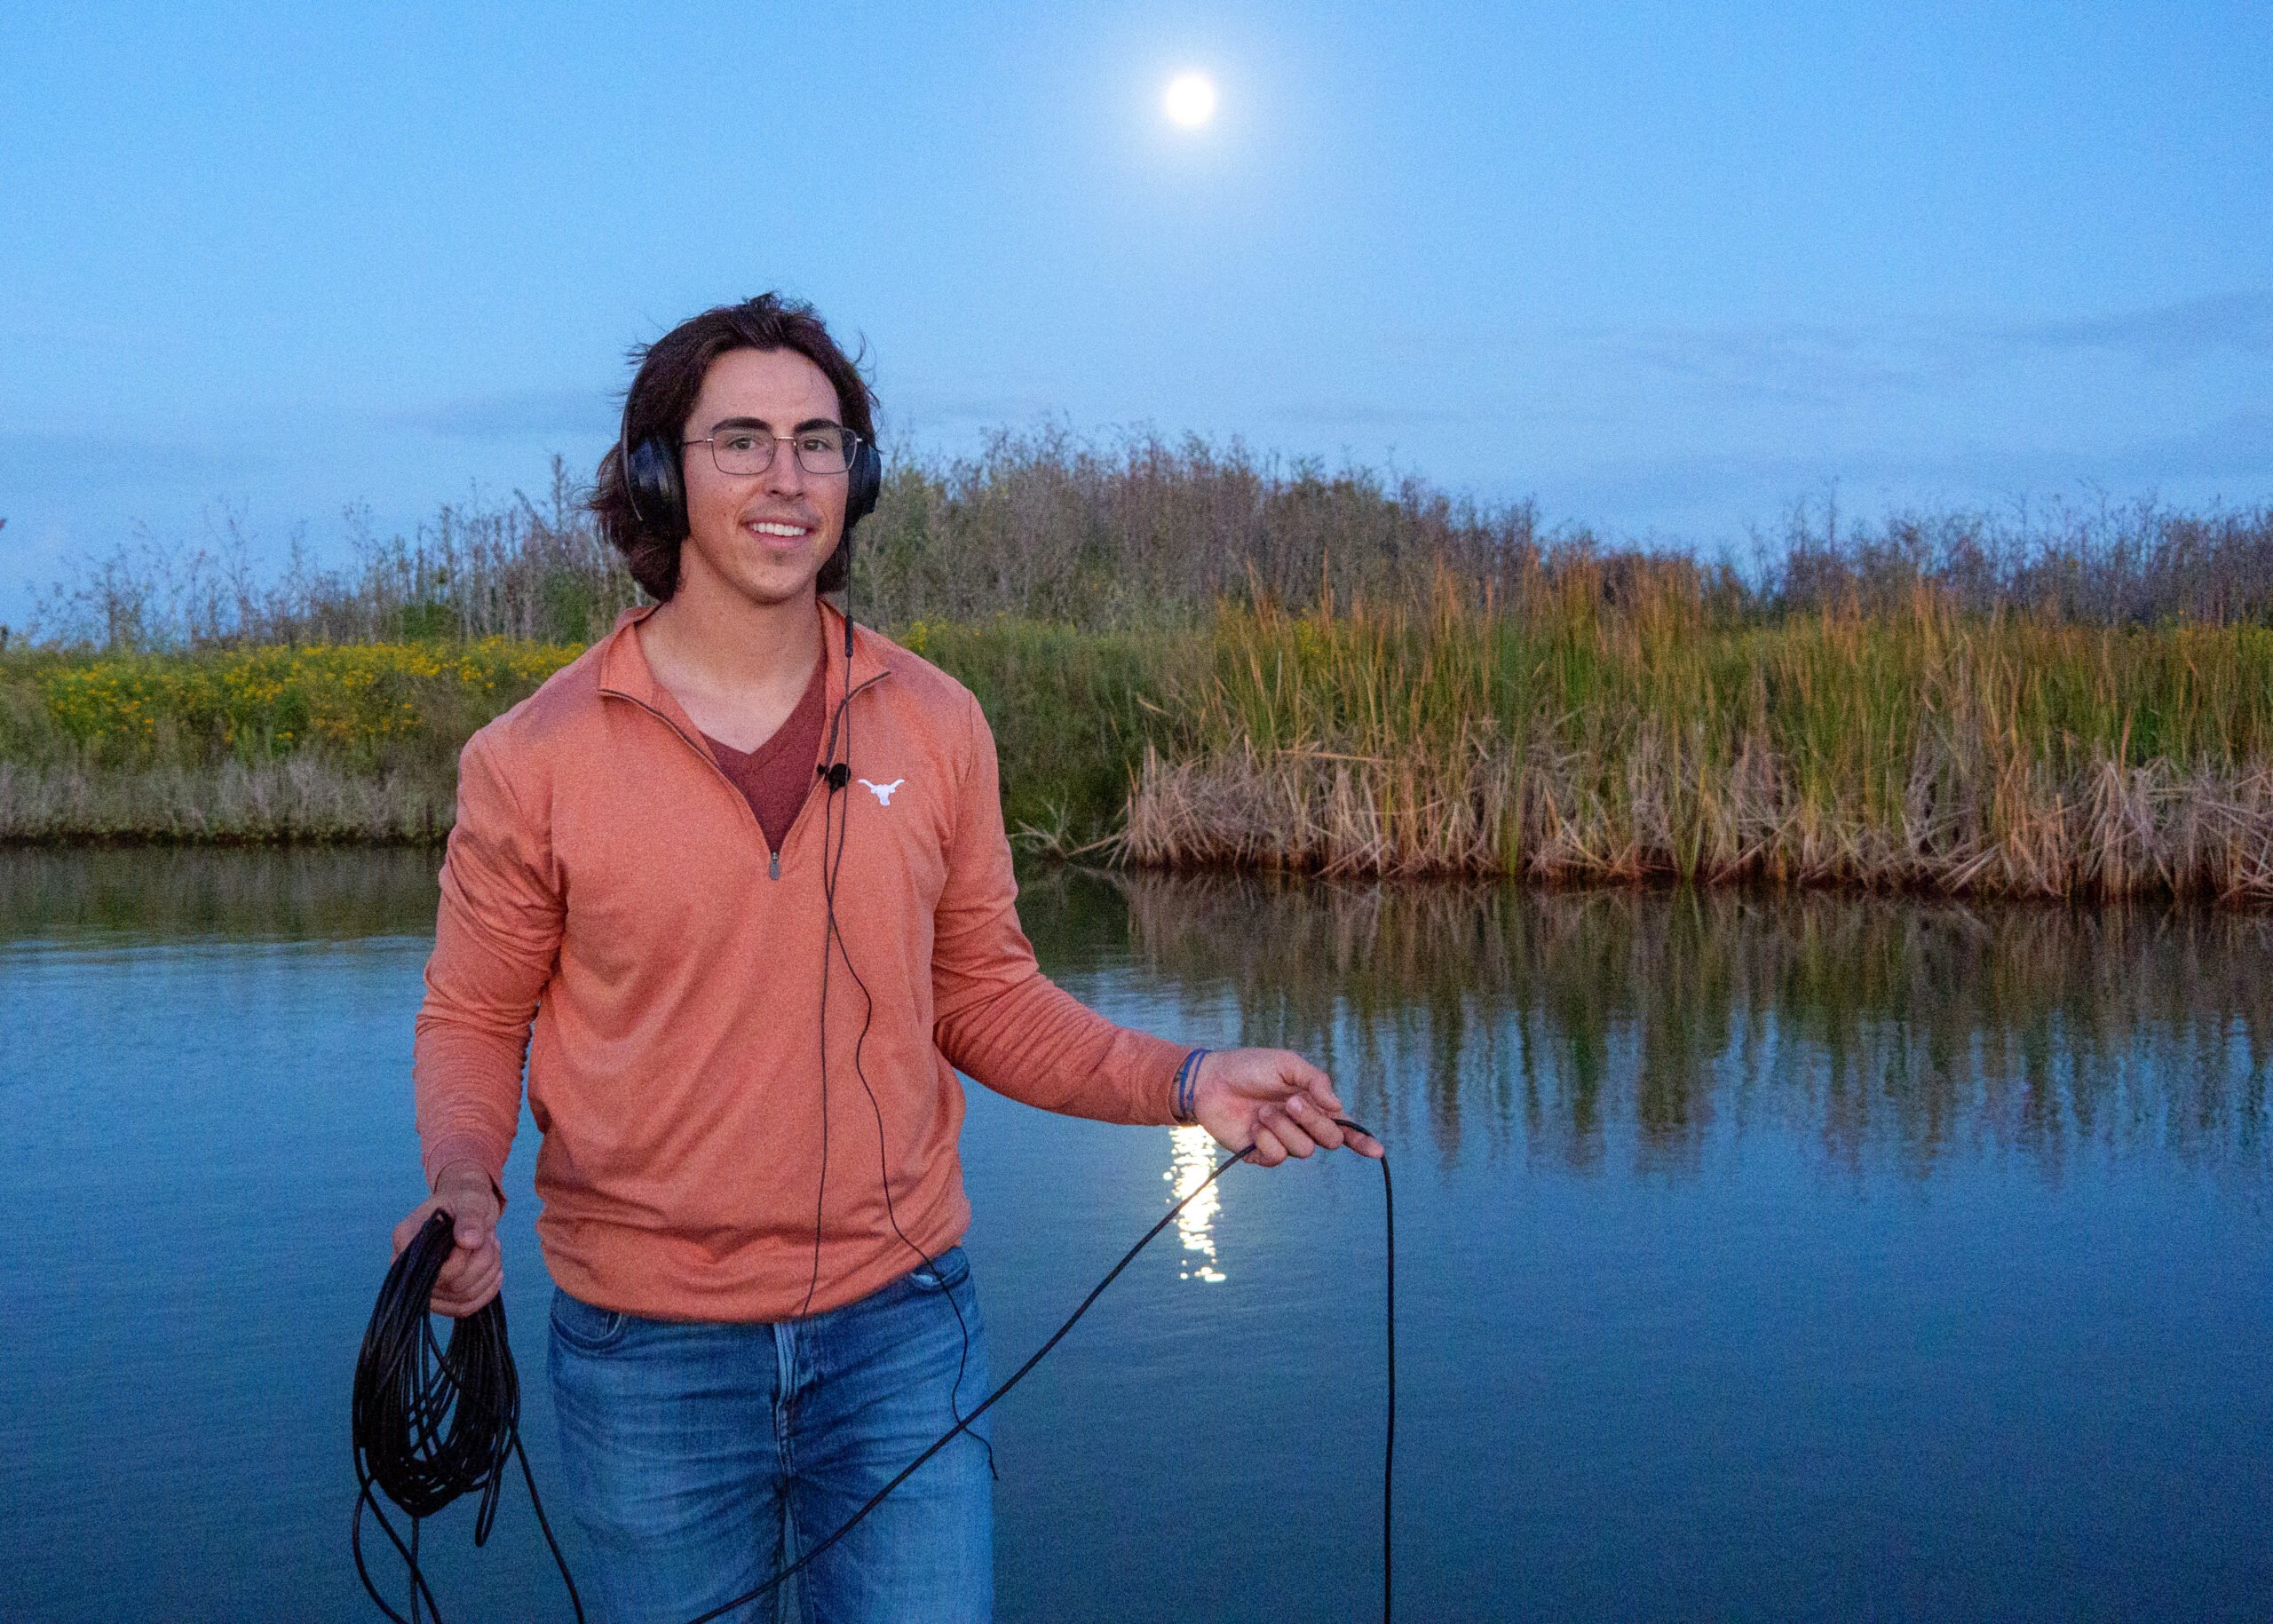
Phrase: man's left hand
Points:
(1274, 1100)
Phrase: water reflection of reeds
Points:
(169, 892)
(1588, 1023)
(1574, 1025)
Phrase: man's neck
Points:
(722, 644)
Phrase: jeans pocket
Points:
(583, 1328)
(945, 1272)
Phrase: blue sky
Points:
(1667, 268)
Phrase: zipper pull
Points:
(774, 867)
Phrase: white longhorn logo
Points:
(882, 792)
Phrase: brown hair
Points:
(664, 391)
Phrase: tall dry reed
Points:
(1572, 740)
(533, 569)
(1142, 533)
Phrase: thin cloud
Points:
(1373, 415)
(1817, 361)
(2238, 447)
(520, 414)
(2229, 322)
(924, 409)
(1807, 361)
(46, 458)
(2234, 453)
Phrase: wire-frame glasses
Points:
(824, 450)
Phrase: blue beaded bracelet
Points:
(1187, 1079)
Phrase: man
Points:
(743, 867)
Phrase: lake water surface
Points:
(1758, 1257)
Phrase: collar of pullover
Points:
(624, 670)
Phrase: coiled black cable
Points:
(432, 1423)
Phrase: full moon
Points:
(1191, 99)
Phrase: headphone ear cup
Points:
(658, 495)
(865, 484)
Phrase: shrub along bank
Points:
(359, 742)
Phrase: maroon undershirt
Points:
(774, 777)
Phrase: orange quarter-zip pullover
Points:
(610, 911)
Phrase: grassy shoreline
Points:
(1571, 739)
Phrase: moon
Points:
(1191, 99)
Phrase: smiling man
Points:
(735, 884)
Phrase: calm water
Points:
(1759, 1259)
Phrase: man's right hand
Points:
(475, 1268)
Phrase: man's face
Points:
(761, 536)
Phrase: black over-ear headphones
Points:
(656, 483)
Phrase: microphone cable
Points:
(832, 938)
(432, 1423)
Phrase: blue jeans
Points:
(701, 1459)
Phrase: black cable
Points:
(835, 774)
(828, 929)
(430, 1424)
(1389, 1321)
(830, 868)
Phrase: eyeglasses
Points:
(821, 451)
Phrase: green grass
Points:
(124, 746)
(1071, 712)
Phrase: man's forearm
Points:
(1036, 1042)
(468, 1083)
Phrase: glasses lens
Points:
(825, 450)
(742, 450)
